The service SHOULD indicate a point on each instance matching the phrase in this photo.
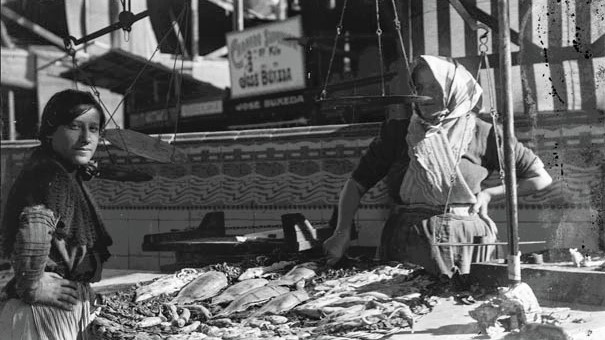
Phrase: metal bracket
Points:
(126, 19)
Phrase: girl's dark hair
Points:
(63, 107)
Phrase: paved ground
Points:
(451, 321)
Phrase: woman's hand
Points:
(335, 247)
(483, 199)
(53, 290)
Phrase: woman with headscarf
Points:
(434, 164)
(51, 228)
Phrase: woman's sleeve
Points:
(526, 161)
(35, 186)
(375, 163)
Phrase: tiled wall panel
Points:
(255, 178)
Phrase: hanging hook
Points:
(483, 39)
(406, 62)
(339, 29)
(126, 19)
(380, 53)
(68, 42)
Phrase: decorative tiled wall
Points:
(257, 176)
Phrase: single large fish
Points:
(283, 303)
(314, 308)
(238, 289)
(203, 287)
(256, 296)
(254, 272)
(296, 274)
(167, 284)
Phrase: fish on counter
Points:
(167, 284)
(283, 303)
(254, 297)
(314, 308)
(238, 289)
(295, 275)
(200, 310)
(359, 316)
(150, 321)
(255, 272)
(203, 287)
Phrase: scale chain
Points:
(380, 53)
(339, 27)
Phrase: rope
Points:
(180, 79)
(406, 62)
(339, 27)
(173, 81)
(483, 49)
(71, 51)
(454, 175)
(492, 98)
(458, 158)
(483, 41)
(130, 88)
(147, 62)
(380, 53)
(96, 92)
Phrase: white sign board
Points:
(261, 61)
(202, 108)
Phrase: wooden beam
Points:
(12, 129)
(9, 14)
(195, 28)
(537, 56)
(466, 16)
(218, 53)
(6, 38)
(238, 15)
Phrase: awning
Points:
(253, 9)
(117, 69)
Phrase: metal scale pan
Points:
(143, 145)
(373, 100)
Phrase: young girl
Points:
(52, 230)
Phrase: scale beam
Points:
(462, 244)
(376, 100)
(126, 19)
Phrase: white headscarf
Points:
(435, 150)
(461, 92)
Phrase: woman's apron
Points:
(22, 321)
(412, 232)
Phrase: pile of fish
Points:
(284, 300)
